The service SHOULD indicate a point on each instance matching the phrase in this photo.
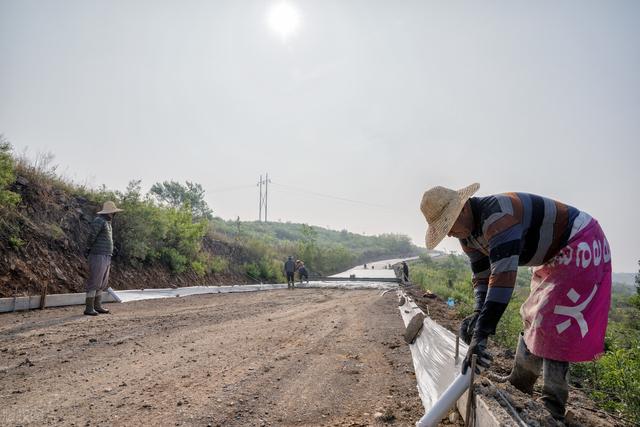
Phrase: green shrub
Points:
(252, 270)
(199, 268)
(54, 231)
(265, 269)
(218, 264)
(174, 259)
(7, 176)
(16, 242)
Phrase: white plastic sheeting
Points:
(142, 294)
(434, 361)
(379, 272)
(350, 285)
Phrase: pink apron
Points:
(565, 317)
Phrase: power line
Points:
(328, 196)
(223, 189)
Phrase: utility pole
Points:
(263, 199)
(260, 201)
(266, 196)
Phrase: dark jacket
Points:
(100, 241)
(289, 266)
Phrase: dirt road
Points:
(282, 358)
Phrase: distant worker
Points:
(405, 272)
(99, 251)
(303, 274)
(289, 269)
(565, 316)
(365, 266)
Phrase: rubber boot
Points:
(98, 304)
(555, 388)
(89, 311)
(526, 368)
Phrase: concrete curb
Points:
(52, 300)
(433, 354)
(61, 300)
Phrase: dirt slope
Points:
(303, 358)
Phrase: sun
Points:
(284, 19)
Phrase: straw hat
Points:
(109, 208)
(441, 207)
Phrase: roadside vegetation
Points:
(172, 225)
(613, 381)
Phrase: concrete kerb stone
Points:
(61, 300)
(433, 354)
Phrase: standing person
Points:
(100, 250)
(289, 269)
(302, 272)
(405, 272)
(565, 316)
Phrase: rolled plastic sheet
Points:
(438, 377)
(379, 272)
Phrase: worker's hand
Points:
(467, 327)
(478, 346)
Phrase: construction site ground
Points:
(307, 357)
(581, 410)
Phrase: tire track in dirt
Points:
(303, 357)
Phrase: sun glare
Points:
(283, 19)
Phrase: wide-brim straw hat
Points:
(441, 207)
(109, 207)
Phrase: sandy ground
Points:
(303, 357)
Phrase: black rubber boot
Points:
(555, 388)
(526, 368)
(98, 304)
(89, 311)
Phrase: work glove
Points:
(467, 327)
(477, 346)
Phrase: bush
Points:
(7, 176)
(16, 242)
(174, 259)
(199, 268)
(265, 269)
(218, 264)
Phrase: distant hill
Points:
(625, 278)
(363, 248)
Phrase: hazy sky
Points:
(366, 100)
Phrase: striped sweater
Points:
(100, 239)
(512, 229)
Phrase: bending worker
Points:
(565, 316)
(100, 250)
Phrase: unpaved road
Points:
(284, 358)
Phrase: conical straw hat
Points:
(441, 207)
(109, 207)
